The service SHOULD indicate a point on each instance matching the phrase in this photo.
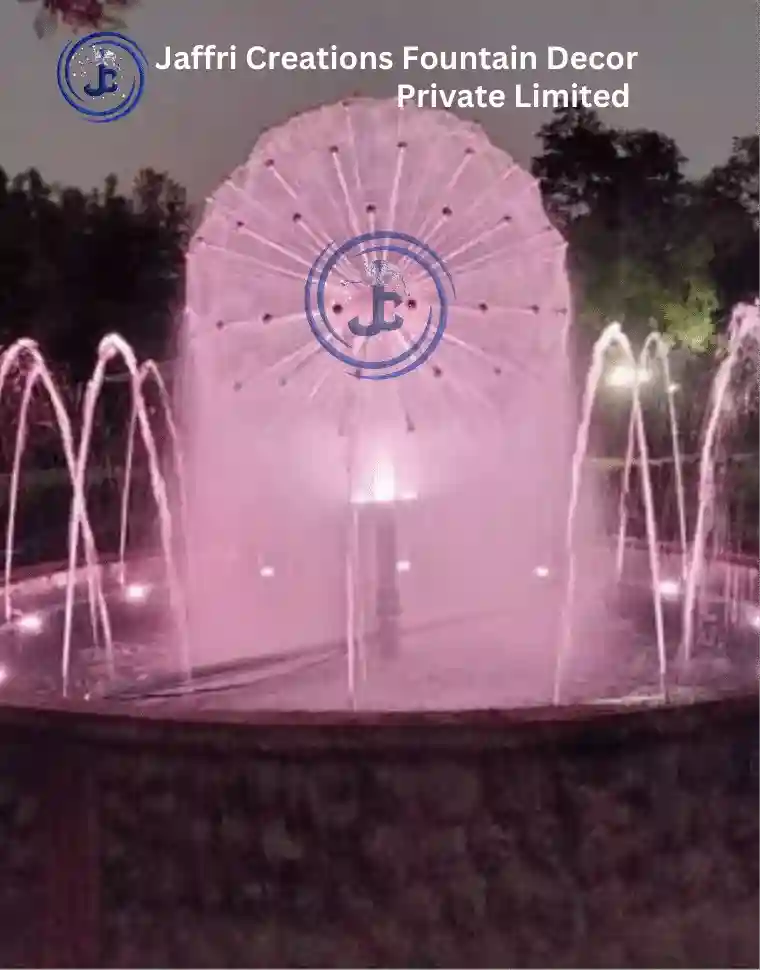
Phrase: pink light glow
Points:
(30, 623)
(670, 589)
(384, 483)
(136, 592)
(291, 455)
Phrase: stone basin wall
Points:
(584, 838)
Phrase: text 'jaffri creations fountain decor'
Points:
(330, 538)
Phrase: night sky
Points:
(695, 77)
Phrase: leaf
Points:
(45, 23)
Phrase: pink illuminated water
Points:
(743, 346)
(484, 634)
(290, 457)
(658, 347)
(25, 353)
(612, 336)
(440, 528)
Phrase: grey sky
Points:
(695, 79)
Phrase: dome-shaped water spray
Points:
(322, 503)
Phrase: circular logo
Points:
(102, 75)
(379, 303)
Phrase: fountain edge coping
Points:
(91, 723)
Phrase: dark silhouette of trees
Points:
(75, 266)
(647, 245)
(729, 196)
(656, 250)
(628, 212)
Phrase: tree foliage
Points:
(648, 246)
(729, 208)
(75, 266)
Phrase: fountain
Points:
(448, 458)
(427, 542)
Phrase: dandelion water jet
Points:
(479, 434)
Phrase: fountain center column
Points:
(387, 598)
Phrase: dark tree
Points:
(730, 198)
(75, 266)
(626, 208)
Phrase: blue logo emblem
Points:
(375, 341)
(102, 75)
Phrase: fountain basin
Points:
(619, 838)
(464, 663)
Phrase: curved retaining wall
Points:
(591, 839)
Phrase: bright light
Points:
(383, 488)
(384, 483)
(30, 623)
(541, 571)
(266, 572)
(4, 674)
(626, 375)
(753, 618)
(403, 566)
(673, 387)
(670, 589)
(363, 499)
(136, 592)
